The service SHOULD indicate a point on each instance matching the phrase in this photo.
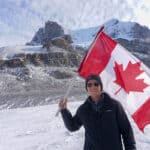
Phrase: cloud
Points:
(24, 17)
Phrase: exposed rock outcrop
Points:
(60, 52)
(50, 31)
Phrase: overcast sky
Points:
(20, 19)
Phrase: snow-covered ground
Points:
(37, 128)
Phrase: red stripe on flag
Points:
(142, 115)
(98, 56)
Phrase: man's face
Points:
(94, 88)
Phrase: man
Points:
(106, 124)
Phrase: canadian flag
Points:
(123, 75)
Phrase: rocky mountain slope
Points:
(37, 75)
(47, 64)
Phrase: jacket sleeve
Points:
(125, 129)
(72, 123)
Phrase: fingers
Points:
(63, 104)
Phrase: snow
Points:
(84, 37)
(122, 29)
(37, 128)
(114, 28)
(10, 51)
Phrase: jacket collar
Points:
(103, 104)
(96, 106)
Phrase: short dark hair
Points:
(94, 77)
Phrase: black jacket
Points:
(105, 123)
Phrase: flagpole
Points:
(71, 85)
(65, 96)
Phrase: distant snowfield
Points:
(37, 128)
(9, 51)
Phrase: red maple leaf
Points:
(127, 78)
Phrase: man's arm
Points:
(71, 123)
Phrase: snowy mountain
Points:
(131, 35)
(115, 29)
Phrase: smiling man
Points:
(106, 124)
